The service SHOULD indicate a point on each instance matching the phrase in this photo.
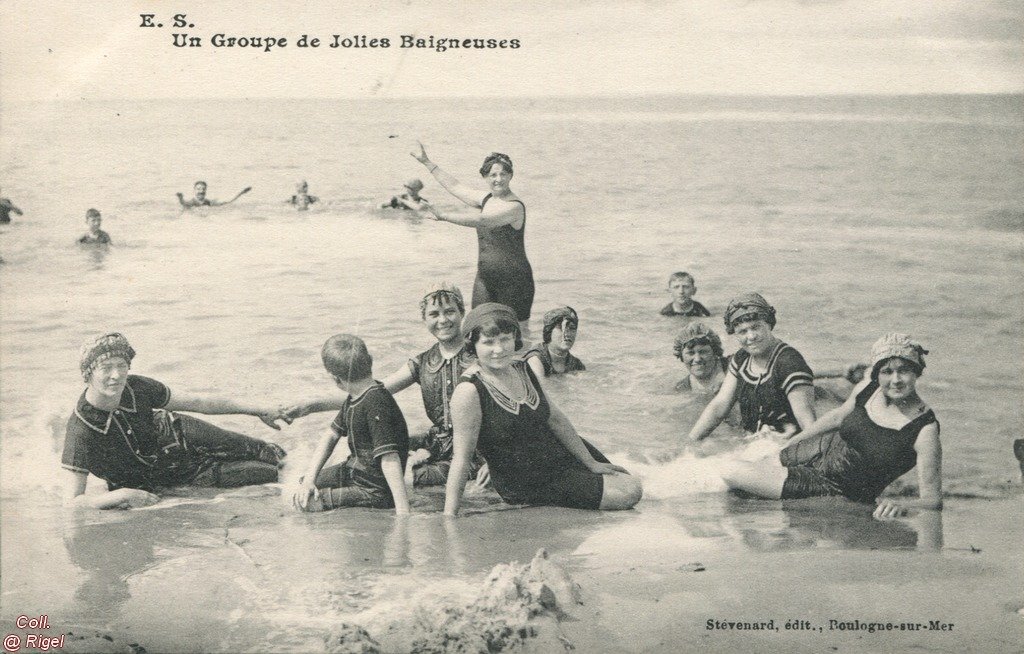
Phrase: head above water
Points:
(697, 333)
(490, 319)
(302, 186)
(439, 292)
(496, 158)
(895, 345)
(556, 317)
(102, 347)
(414, 186)
(345, 356)
(681, 276)
(747, 307)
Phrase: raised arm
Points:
(122, 498)
(399, 380)
(214, 203)
(211, 405)
(716, 410)
(471, 196)
(466, 418)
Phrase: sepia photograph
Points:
(640, 326)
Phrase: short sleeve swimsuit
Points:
(527, 462)
(858, 462)
(503, 273)
(763, 397)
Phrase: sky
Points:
(56, 50)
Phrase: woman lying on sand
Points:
(532, 450)
(881, 432)
(124, 432)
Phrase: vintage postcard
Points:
(423, 326)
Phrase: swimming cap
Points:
(697, 331)
(101, 348)
(898, 345)
(485, 312)
(414, 185)
(748, 307)
(555, 317)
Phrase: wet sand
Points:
(241, 572)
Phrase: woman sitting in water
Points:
(503, 273)
(773, 383)
(700, 350)
(552, 357)
(532, 450)
(124, 432)
(881, 432)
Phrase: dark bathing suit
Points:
(572, 364)
(527, 462)
(696, 310)
(437, 377)
(858, 461)
(139, 445)
(503, 274)
(763, 398)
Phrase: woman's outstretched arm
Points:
(471, 196)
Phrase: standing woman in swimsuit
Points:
(503, 274)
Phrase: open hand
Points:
(294, 412)
(270, 418)
(887, 510)
(422, 155)
(135, 498)
(307, 497)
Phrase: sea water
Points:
(854, 216)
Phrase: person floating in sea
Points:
(378, 440)
(125, 431)
(436, 370)
(200, 199)
(700, 350)
(6, 209)
(771, 380)
(503, 273)
(410, 200)
(881, 432)
(552, 356)
(682, 288)
(533, 452)
(95, 235)
(302, 199)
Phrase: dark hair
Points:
(92, 212)
(496, 158)
(556, 317)
(453, 297)
(346, 357)
(493, 327)
(198, 183)
(918, 369)
(681, 275)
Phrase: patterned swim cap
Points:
(442, 289)
(895, 344)
(555, 317)
(697, 331)
(103, 347)
(748, 306)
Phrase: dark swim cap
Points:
(555, 317)
(749, 306)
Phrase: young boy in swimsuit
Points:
(682, 288)
(95, 235)
(200, 199)
(302, 199)
(378, 439)
(409, 200)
